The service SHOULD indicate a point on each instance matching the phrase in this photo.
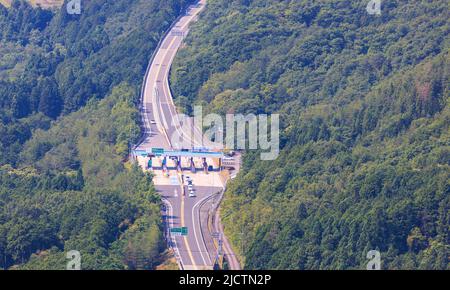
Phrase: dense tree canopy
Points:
(69, 89)
(363, 101)
(55, 63)
(73, 192)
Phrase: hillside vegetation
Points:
(41, 3)
(55, 63)
(72, 192)
(69, 93)
(364, 104)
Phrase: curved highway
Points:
(162, 126)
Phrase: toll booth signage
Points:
(200, 149)
(158, 150)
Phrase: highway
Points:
(160, 116)
(161, 124)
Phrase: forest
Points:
(364, 105)
(364, 108)
(69, 94)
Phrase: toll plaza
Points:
(183, 160)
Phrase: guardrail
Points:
(211, 220)
(169, 238)
(152, 58)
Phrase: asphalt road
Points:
(161, 120)
(162, 129)
(192, 252)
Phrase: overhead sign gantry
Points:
(160, 152)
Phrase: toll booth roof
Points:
(180, 154)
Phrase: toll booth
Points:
(214, 164)
(161, 159)
(164, 163)
(172, 162)
(157, 163)
(198, 161)
(185, 163)
(193, 168)
(150, 163)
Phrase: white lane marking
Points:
(177, 125)
(174, 180)
(195, 231)
(174, 240)
(166, 78)
(188, 20)
(156, 114)
(160, 107)
(172, 108)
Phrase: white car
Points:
(191, 193)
